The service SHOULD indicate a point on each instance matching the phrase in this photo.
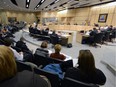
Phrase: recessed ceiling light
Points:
(28, 1)
(27, 5)
(38, 5)
(42, 1)
(57, 1)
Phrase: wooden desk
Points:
(66, 36)
(66, 39)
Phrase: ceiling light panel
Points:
(58, 3)
(54, 2)
(40, 3)
(27, 3)
(46, 3)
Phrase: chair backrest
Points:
(53, 60)
(45, 33)
(68, 82)
(53, 78)
(106, 36)
(98, 38)
(2, 42)
(54, 39)
(22, 66)
(28, 56)
(37, 31)
(46, 51)
(42, 60)
(114, 33)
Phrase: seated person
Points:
(55, 38)
(44, 46)
(22, 45)
(9, 77)
(88, 32)
(86, 70)
(18, 55)
(57, 54)
(92, 34)
(54, 33)
(43, 50)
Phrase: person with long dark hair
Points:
(86, 70)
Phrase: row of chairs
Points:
(66, 82)
(41, 34)
(43, 59)
(103, 37)
(53, 78)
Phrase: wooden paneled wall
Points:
(4, 18)
(22, 16)
(110, 10)
(81, 15)
(29, 17)
(77, 16)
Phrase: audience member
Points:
(18, 56)
(54, 33)
(57, 37)
(43, 50)
(110, 28)
(47, 29)
(9, 77)
(22, 45)
(106, 27)
(92, 34)
(86, 70)
(44, 46)
(57, 53)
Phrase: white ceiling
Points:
(21, 4)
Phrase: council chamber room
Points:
(57, 43)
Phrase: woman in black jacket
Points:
(86, 70)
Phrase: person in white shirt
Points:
(44, 46)
(18, 56)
